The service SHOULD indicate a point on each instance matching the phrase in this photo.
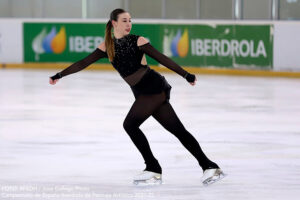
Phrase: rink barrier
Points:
(196, 70)
(285, 39)
(212, 44)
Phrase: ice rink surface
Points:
(67, 141)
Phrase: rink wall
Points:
(11, 41)
(286, 46)
(225, 47)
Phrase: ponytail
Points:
(109, 43)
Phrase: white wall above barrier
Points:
(287, 46)
(11, 41)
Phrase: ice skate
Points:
(211, 176)
(147, 178)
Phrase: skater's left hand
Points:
(191, 78)
(193, 83)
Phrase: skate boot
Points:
(147, 178)
(211, 176)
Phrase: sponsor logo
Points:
(228, 47)
(224, 47)
(55, 43)
(88, 44)
(176, 45)
(52, 42)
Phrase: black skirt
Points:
(151, 83)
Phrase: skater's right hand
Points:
(53, 82)
(53, 79)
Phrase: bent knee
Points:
(129, 125)
(126, 125)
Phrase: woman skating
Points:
(127, 52)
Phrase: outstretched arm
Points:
(79, 65)
(147, 48)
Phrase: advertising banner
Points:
(60, 42)
(219, 45)
(11, 42)
(187, 44)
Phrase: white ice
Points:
(67, 141)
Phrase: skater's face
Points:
(123, 24)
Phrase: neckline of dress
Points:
(121, 37)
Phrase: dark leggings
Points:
(157, 106)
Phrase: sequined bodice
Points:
(128, 56)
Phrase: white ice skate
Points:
(147, 178)
(211, 176)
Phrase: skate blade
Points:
(152, 181)
(220, 175)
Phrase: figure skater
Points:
(126, 52)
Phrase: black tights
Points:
(155, 105)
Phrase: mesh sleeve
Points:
(162, 59)
(85, 62)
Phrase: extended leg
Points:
(167, 117)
